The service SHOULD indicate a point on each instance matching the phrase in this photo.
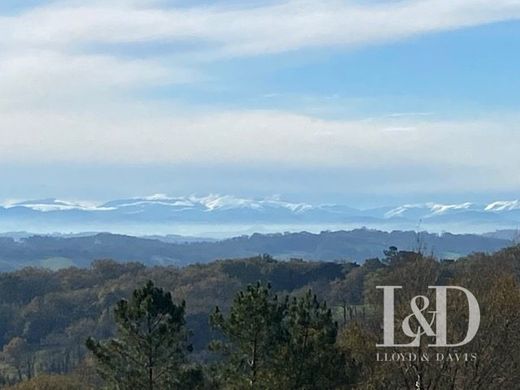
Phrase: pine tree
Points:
(307, 356)
(149, 351)
(278, 344)
(251, 330)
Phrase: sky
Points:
(359, 102)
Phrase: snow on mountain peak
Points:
(274, 207)
(217, 202)
(430, 209)
(399, 211)
(443, 208)
(157, 197)
(225, 202)
(46, 205)
(503, 205)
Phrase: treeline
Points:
(254, 323)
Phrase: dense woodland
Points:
(253, 323)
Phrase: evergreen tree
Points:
(149, 352)
(251, 329)
(307, 357)
(278, 344)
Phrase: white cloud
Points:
(248, 30)
(132, 134)
(89, 48)
(28, 77)
(64, 86)
(401, 129)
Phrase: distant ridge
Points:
(356, 245)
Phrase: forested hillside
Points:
(356, 245)
(46, 317)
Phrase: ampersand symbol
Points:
(424, 327)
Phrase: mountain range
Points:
(221, 216)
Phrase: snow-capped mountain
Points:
(220, 210)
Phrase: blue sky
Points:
(475, 68)
(362, 102)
